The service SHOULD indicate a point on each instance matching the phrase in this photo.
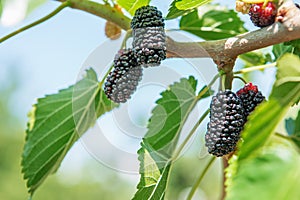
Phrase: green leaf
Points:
(273, 174)
(212, 22)
(188, 4)
(56, 122)
(294, 43)
(174, 12)
(287, 78)
(255, 58)
(263, 121)
(282, 48)
(159, 143)
(132, 5)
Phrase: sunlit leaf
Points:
(190, 4)
(174, 12)
(132, 5)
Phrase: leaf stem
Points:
(128, 34)
(103, 79)
(255, 68)
(57, 10)
(283, 136)
(240, 78)
(123, 45)
(180, 148)
(197, 183)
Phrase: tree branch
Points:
(225, 51)
(104, 11)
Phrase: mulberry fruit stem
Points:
(228, 80)
(105, 76)
(240, 78)
(128, 35)
(197, 183)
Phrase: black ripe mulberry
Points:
(149, 38)
(250, 97)
(122, 81)
(226, 122)
(147, 16)
(150, 45)
(261, 15)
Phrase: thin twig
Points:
(255, 68)
(283, 136)
(197, 183)
(57, 10)
(180, 148)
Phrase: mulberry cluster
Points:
(227, 119)
(149, 38)
(250, 97)
(228, 114)
(123, 80)
(149, 49)
(263, 15)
